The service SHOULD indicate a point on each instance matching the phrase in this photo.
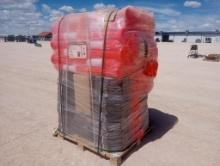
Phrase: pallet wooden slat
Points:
(115, 158)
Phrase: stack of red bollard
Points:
(107, 60)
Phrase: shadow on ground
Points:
(160, 123)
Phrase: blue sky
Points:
(34, 16)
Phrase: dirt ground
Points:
(184, 109)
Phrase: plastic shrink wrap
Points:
(107, 60)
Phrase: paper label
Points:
(78, 50)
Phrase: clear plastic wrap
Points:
(107, 60)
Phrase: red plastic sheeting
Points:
(130, 43)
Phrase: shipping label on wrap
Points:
(78, 50)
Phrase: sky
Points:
(34, 16)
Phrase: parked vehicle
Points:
(10, 38)
(21, 38)
(31, 39)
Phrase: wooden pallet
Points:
(115, 158)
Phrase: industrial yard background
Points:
(184, 111)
